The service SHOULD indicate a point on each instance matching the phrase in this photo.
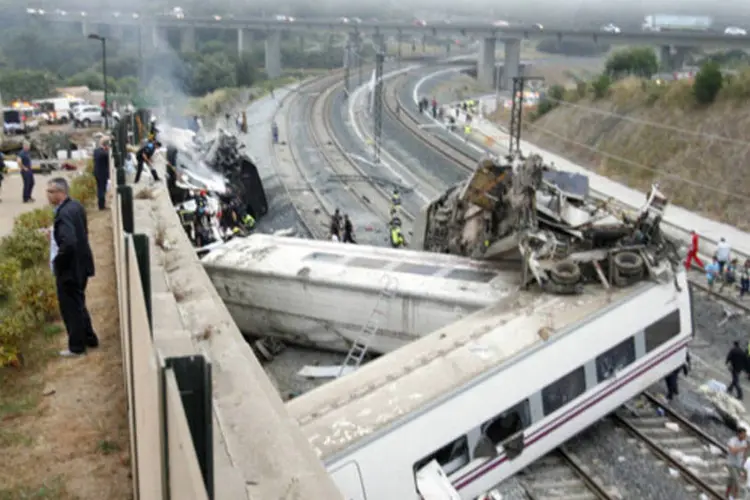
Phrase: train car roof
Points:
(344, 411)
(416, 274)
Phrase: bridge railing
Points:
(169, 399)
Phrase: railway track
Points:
(561, 476)
(334, 167)
(688, 452)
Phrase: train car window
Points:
(662, 330)
(451, 457)
(421, 269)
(508, 423)
(366, 263)
(564, 390)
(324, 257)
(471, 275)
(615, 359)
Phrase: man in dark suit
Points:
(73, 265)
(101, 170)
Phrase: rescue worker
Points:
(144, 155)
(672, 379)
(693, 252)
(434, 107)
(152, 128)
(275, 132)
(2, 172)
(27, 174)
(248, 221)
(348, 230)
(745, 278)
(336, 223)
(397, 239)
(395, 198)
(467, 132)
(736, 362)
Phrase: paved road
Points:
(12, 206)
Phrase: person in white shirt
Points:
(335, 237)
(723, 254)
(736, 462)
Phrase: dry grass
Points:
(64, 422)
(699, 159)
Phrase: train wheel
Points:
(629, 263)
(566, 273)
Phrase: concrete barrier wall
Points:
(259, 452)
(143, 370)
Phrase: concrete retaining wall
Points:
(259, 452)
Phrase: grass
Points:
(53, 489)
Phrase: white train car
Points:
(488, 395)
(320, 293)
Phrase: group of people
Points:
(341, 229)
(723, 268)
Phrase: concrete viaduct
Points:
(672, 46)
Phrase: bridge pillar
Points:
(512, 63)
(244, 41)
(486, 62)
(301, 42)
(378, 41)
(672, 58)
(116, 31)
(85, 27)
(158, 37)
(187, 39)
(273, 54)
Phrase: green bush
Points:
(38, 218)
(708, 83)
(35, 293)
(10, 272)
(16, 331)
(601, 85)
(30, 247)
(638, 61)
(83, 188)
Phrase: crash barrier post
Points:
(126, 200)
(143, 255)
(161, 420)
(192, 375)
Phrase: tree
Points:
(26, 84)
(638, 61)
(708, 83)
(601, 85)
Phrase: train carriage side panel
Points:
(511, 394)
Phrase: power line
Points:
(641, 121)
(638, 165)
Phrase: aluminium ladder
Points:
(362, 343)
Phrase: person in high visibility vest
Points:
(467, 132)
(397, 239)
(395, 198)
(248, 221)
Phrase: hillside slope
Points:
(708, 146)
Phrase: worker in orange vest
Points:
(693, 252)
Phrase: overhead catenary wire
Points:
(699, 185)
(641, 121)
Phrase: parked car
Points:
(610, 28)
(87, 115)
(735, 31)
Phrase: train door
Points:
(433, 483)
(349, 481)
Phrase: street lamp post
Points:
(102, 39)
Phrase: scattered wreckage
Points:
(545, 220)
(214, 186)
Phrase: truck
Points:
(668, 22)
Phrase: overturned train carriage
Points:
(522, 210)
